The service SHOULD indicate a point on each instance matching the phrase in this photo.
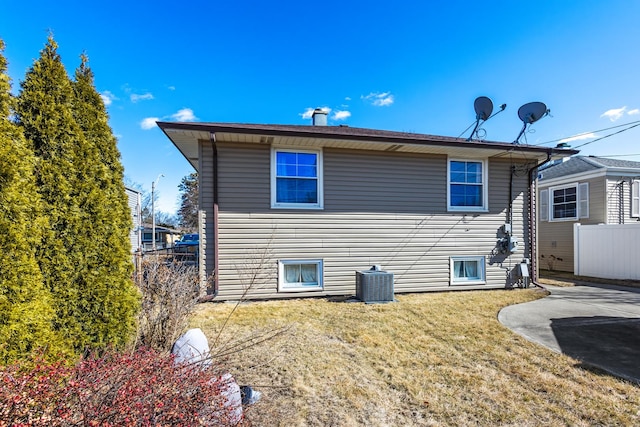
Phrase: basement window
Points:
(299, 275)
(467, 270)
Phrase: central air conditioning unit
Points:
(374, 286)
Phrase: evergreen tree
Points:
(26, 314)
(188, 212)
(95, 301)
(111, 264)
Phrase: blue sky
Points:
(413, 66)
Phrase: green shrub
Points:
(26, 312)
(84, 253)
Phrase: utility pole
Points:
(153, 212)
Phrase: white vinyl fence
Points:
(607, 251)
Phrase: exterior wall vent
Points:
(374, 286)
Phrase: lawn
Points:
(428, 359)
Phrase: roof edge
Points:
(344, 134)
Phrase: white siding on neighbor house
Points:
(619, 199)
(379, 208)
(555, 238)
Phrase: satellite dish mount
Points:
(529, 114)
(484, 108)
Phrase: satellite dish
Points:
(530, 113)
(484, 108)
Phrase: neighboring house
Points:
(585, 190)
(134, 201)
(295, 211)
(165, 237)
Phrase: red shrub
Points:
(142, 389)
(31, 396)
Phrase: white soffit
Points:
(187, 142)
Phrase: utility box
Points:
(374, 286)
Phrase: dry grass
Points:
(429, 359)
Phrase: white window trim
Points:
(635, 198)
(274, 203)
(485, 187)
(283, 287)
(579, 214)
(481, 265)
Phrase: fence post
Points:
(576, 249)
(201, 255)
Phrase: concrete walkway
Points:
(597, 324)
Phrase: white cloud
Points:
(579, 137)
(383, 102)
(348, 98)
(107, 97)
(149, 123)
(377, 99)
(614, 114)
(171, 88)
(633, 112)
(341, 115)
(141, 97)
(308, 113)
(184, 115)
(144, 97)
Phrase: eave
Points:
(186, 137)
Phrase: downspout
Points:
(215, 215)
(533, 217)
(510, 222)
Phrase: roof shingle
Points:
(579, 164)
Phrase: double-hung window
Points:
(467, 270)
(299, 275)
(567, 202)
(296, 179)
(467, 185)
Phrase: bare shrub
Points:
(169, 295)
(254, 272)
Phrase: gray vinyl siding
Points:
(379, 208)
(555, 238)
(357, 181)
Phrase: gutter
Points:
(341, 134)
(215, 216)
(211, 295)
